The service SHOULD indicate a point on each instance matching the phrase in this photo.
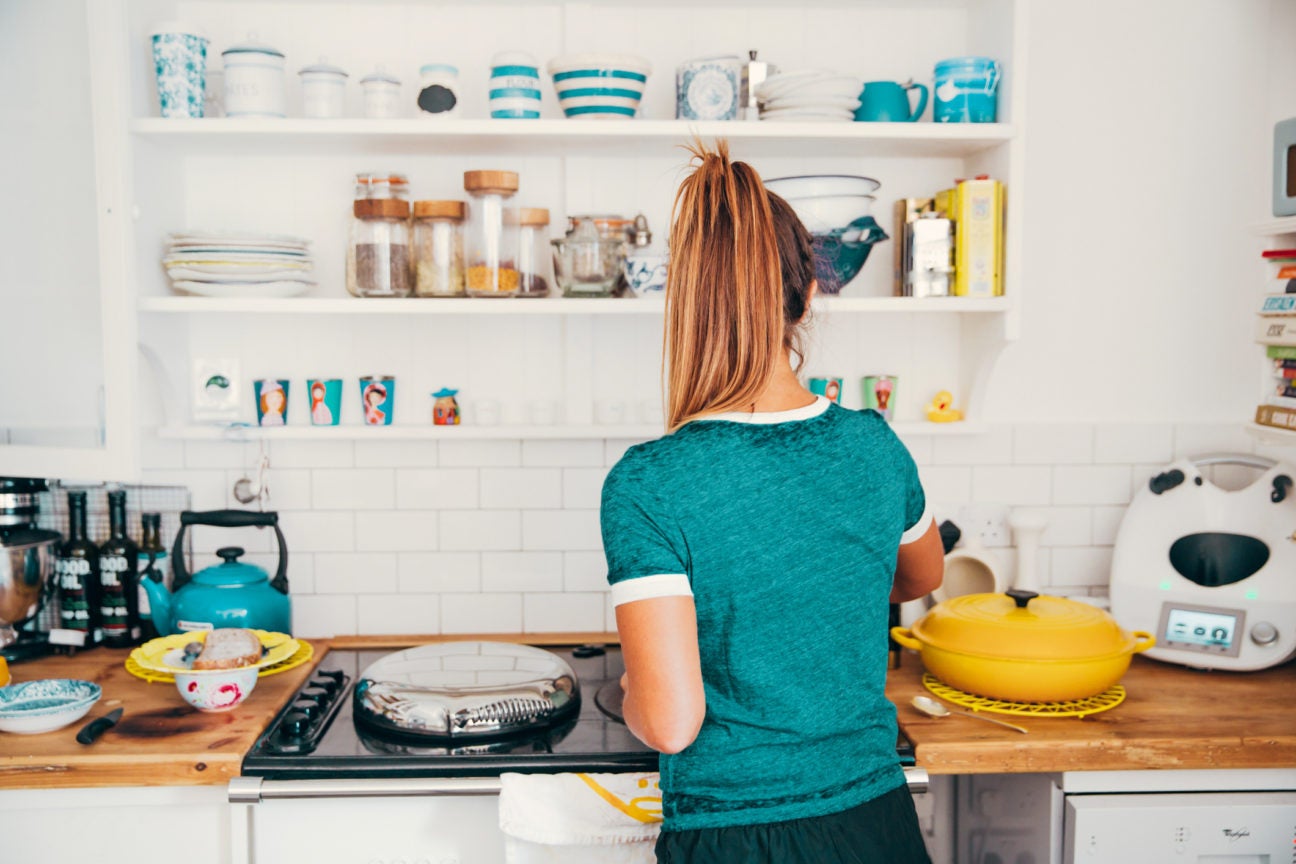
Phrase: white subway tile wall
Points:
(503, 536)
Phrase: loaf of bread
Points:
(229, 648)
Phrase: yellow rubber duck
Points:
(941, 410)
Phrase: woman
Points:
(752, 553)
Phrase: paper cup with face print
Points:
(271, 401)
(880, 394)
(325, 400)
(829, 388)
(378, 399)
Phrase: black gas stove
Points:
(317, 735)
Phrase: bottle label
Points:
(72, 575)
(112, 606)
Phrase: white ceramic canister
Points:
(254, 80)
(515, 86)
(438, 94)
(323, 90)
(381, 94)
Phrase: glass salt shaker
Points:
(534, 261)
(378, 254)
(438, 248)
(490, 234)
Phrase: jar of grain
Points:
(534, 258)
(490, 234)
(379, 263)
(438, 248)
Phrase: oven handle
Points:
(253, 790)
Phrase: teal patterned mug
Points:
(180, 60)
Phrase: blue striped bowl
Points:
(599, 86)
(515, 86)
(39, 706)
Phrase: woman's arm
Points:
(664, 702)
(920, 567)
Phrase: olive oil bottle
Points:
(118, 578)
(76, 567)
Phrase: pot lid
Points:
(253, 47)
(323, 67)
(1022, 625)
(430, 68)
(380, 75)
(231, 571)
(467, 690)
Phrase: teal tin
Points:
(967, 90)
(888, 102)
(229, 594)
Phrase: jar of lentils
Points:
(490, 234)
(438, 248)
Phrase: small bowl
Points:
(216, 690)
(646, 274)
(830, 212)
(39, 706)
(599, 86)
(817, 185)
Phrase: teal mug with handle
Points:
(888, 102)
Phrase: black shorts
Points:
(882, 831)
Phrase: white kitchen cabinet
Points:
(68, 349)
(123, 825)
(295, 176)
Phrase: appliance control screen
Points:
(1201, 629)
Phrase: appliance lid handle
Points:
(1251, 461)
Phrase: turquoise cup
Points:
(888, 102)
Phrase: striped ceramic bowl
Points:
(599, 86)
(515, 86)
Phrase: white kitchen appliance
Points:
(1211, 572)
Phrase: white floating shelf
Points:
(563, 137)
(528, 306)
(1271, 434)
(468, 432)
(1275, 227)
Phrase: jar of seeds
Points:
(379, 263)
(438, 248)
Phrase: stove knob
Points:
(328, 685)
(332, 674)
(1264, 633)
(309, 707)
(294, 725)
(316, 694)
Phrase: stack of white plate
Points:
(809, 96)
(219, 264)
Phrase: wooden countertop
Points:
(159, 741)
(1172, 718)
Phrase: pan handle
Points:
(1142, 641)
(905, 637)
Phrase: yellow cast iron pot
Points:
(1023, 647)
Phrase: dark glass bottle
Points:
(76, 567)
(118, 578)
(152, 565)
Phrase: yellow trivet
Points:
(303, 653)
(1071, 708)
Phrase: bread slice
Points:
(229, 648)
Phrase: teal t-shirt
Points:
(787, 532)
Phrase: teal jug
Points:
(230, 594)
(888, 102)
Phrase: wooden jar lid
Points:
(532, 216)
(438, 210)
(505, 182)
(380, 208)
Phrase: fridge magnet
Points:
(325, 400)
(378, 399)
(880, 394)
(271, 401)
(941, 409)
(215, 390)
(445, 410)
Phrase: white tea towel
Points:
(580, 809)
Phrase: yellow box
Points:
(978, 213)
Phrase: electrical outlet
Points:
(987, 523)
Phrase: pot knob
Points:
(1020, 597)
(229, 554)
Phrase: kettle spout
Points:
(159, 606)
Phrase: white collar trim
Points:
(805, 412)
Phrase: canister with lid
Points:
(438, 94)
(323, 90)
(534, 261)
(514, 86)
(490, 237)
(378, 254)
(254, 80)
(438, 248)
(381, 94)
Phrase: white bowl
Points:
(216, 690)
(32, 707)
(830, 212)
(817, 185)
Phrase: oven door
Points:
(423, 820)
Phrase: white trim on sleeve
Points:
(647, 587)
(919, 528)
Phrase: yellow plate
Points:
(154, 655)
(303, 654)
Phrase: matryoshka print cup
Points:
(325, 400)
(378, 399)
(271, 401)
(830, 388)
(880, 394)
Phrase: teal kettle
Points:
(230, 594)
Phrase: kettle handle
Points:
(227, 519)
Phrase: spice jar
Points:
(378, 255)
(534, 261)
(323, 90)
(381, 94)
(438, 248)
(438, 90)
(254, 80)
(490, 244)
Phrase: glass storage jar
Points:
(438, 248)
(490, 237)
(378, 254)
(534, 258)
(586, 263)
